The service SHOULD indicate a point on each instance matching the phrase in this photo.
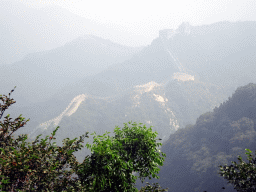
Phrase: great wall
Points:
(167, 34)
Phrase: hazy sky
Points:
(146, 18)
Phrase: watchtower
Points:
(166, 33)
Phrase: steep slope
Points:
(194, 153)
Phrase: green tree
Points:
(115, 158)
(33, 167)
(25, 167)
(245, 179)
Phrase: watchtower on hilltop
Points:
(184, 28)
(166, 33)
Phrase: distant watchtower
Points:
(166, 33)
(184, 28)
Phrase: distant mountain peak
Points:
(88, 36)
(96, 40)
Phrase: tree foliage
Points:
(40, 166)
(245, 179)
(114, 159)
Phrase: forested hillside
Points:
(194, 153)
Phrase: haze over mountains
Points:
(25, 30)
(92, 84)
